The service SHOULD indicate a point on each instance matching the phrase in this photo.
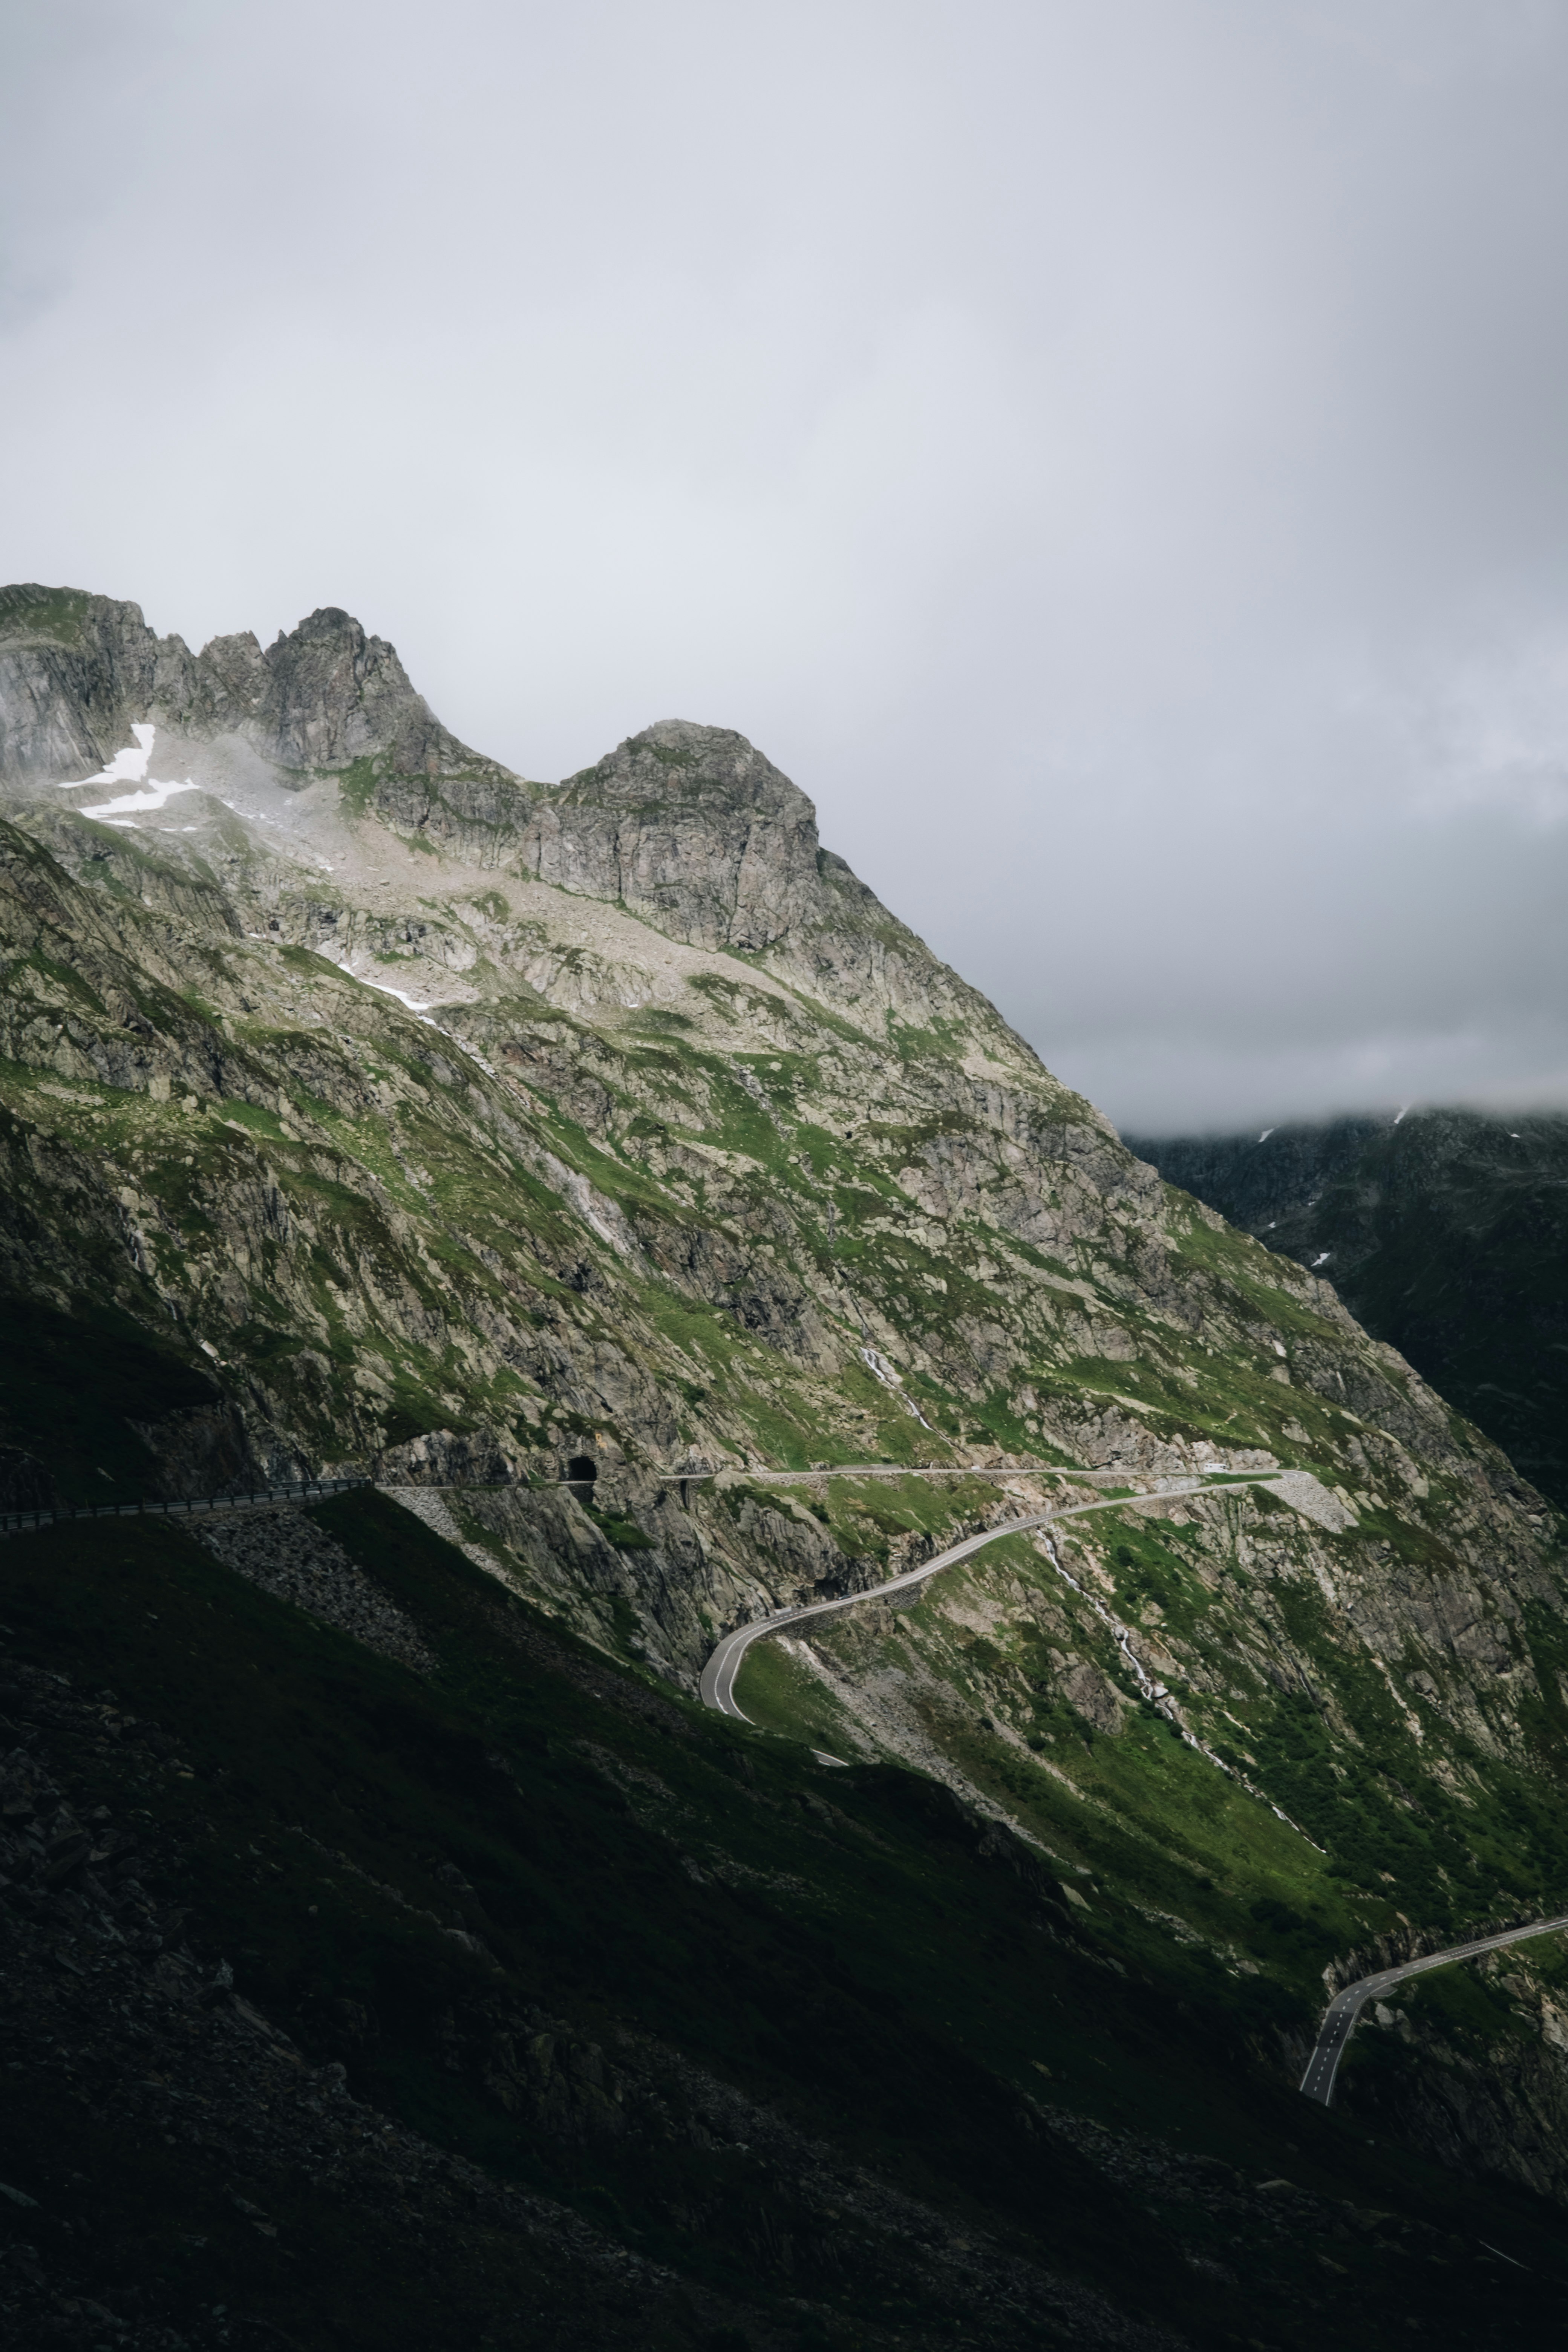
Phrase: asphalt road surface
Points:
(1339, 2020)
(718, 1685)
(732, 1476)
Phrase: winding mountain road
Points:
(1339, 2019)
(718, 1691)
(717, 1687)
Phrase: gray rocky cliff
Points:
(689, 828)
(695, 830)
(76, 673)
(327, 694)
(692, 827)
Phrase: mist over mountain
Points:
(1113, 452)
(656, 1236)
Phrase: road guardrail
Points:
(302, 1490)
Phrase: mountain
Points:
(402, 1952)
(1446, 1234)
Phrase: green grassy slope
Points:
(1301, 1855)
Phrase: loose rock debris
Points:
(288, 1556)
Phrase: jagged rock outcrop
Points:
(205, 1449)
(696, 830)
(689, 826)
(78, 672)
(327, 694)
(692, 827)
(75, 672)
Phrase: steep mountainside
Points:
(366, 1108)
(1445, 1232)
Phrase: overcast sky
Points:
(1109, 452)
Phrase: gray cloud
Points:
(1110, 453)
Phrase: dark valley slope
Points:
(399, 1952)
(1445, 1232)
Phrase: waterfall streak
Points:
(1160, 1698)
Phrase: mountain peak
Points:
(677, 759)
(328, 693)
(326, 621)
(687, 826)
(695, 829)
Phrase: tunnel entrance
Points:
(582, 1470)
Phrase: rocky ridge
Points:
(78, 672)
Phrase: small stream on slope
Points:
(1160, 1698)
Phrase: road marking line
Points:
(1340, 2017)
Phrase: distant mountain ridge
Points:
(1445, 1232)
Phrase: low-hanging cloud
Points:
(1110, 453)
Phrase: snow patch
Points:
(414, 1003)
(130, 767)
(383, 987)
(141, 804)
(127, 767)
